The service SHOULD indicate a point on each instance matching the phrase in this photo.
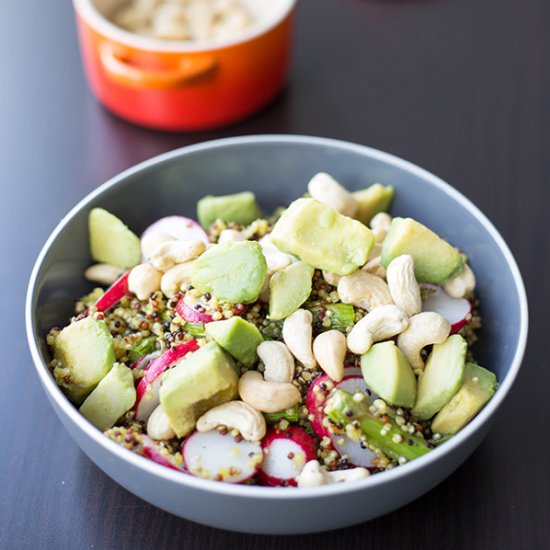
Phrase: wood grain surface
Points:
(461, 87)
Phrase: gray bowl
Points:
(277, 168)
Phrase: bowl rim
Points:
(87, 10)
(276, 493)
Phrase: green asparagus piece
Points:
(342, 315)
(292, 415)
(341, 408)
(195, 329)
(143, 347)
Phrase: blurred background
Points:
(459, 87)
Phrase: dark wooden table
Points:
(461, 87)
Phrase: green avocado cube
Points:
(435, 260)
(441, 378)
(371, 201)
(388, 374)
(111, 242)
(322, 237)
(477, 389)
(85, 353)
(240, 208)
(289, 289)
(112, 397)
(197, 383)
(238, 337)
(234, 272)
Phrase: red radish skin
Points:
(456, 310)
(151, 452)
(114, 293)
(147, 391)
(188, 313)
(221, 457)
(285, 454)
(179, 227)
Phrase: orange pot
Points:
(177, 85)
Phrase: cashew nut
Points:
(380, 225)
(364, 290)
(314, 475)
(176, 252)
(175, 278)
(158, 425)
(403, 286)
(424, 329)
(276, 261)
(381, 323)
(278, 361)
(265, 396)
(235, 414)
(331, 278)
(230, 236)
(330, 351)
(460, 285)
(327, 190)
(375, 267)
(143, 280)
(297, 335)
(105, 274)
(152, 240)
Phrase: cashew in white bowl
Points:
(460, 285)
(381, 323)
(158, 425)
(235, 414)
(105, 274)
(424, 329)
(315, 475)
(298, 334)
(143, 280)
(331, 278)
(278, 361)
(172, 253)
(403, 286)
(330, 351)
(266, 396)
(152, 240)
(380, 225)
(364, 290)
(230, 236)
(175, 278)
(326, 189)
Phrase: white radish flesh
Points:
(179, 227)
(455, 310)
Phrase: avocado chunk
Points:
(371, 201)
(387, 373)
(112, 397)
(289, 289)
(204, 380)
(441, 378)
(238, 337)
(85, 353)
(111, 241)
(234, 272)
(322, 237)
(435, 260)
(240, 208)
(478, 387)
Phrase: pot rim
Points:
(279, 493)
(87, 10)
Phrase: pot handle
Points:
(121, 70)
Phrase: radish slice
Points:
(179, 227)
(143, 362)
(285, 454)
(151, 451)
(315, 401)
(211, 455)
(455, 310)
(114, 293)
(147, 391)
(187, 309)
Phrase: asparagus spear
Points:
(143, 347)
(292, 415)
(341, 408)
(342, 315)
